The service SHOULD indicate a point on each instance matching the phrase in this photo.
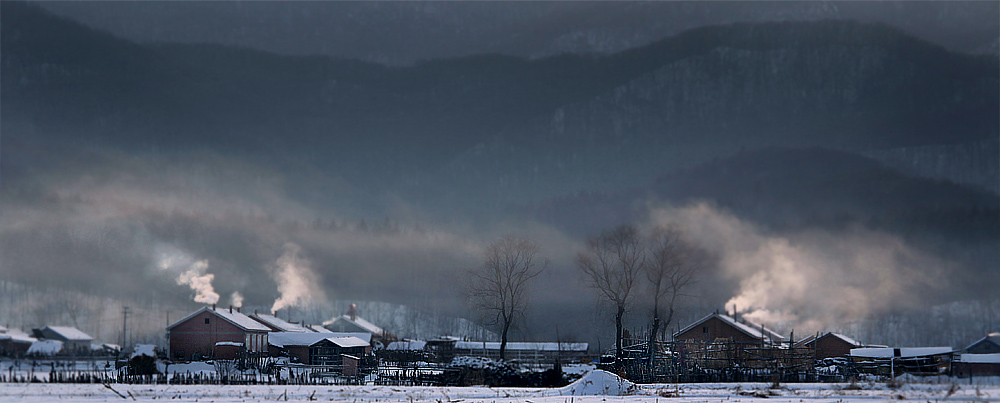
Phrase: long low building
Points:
(446, 349)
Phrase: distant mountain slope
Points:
(502, 129)
(785, 188)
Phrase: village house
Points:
(829, 345)
(209, 330)
(340, 351)
(74, 341)
(352, 323)
(721, 326)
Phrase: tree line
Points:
(619, 264)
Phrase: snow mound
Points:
(599, 382)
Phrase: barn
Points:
(197, 335)
(830, 345)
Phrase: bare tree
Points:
(612, 262)
(672, 266)
(500, 287)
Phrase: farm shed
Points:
(896, 360)
(196, 335)
(970, 365)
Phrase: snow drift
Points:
(599, 382)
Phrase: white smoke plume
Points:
(297, 282)
(814, 280)
(236, 299)
(193, 274)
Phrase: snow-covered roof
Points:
(229, 343)
(235, 317)
(68, 333)
(360, 323)
(283, 339)
(749, 328)
(523, 346)
(275, 322)
(45, 347)
(904, 352)
(3, 329)
(140, 350)
(407, 345)
(845, 338)
(318, 329)
(18, 336)
(347, 342)
(980, 358)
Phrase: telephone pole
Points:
(124, 327)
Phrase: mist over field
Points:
(839, 160)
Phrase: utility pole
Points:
(124, 327)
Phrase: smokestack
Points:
(213, 307)
(230, 309)
(352, 311)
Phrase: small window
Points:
(206, 321)
(704, 329)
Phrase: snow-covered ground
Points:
(595, 387)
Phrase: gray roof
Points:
(67, 333)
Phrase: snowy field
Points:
(596, 387)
